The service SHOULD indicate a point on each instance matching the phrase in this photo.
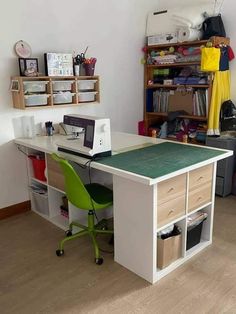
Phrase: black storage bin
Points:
(194, 235)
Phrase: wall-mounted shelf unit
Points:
(51, 92)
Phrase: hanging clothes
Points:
(220, 93)
(220, 90)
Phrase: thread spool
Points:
(154, 133)
(185, 138)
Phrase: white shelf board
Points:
(60, 221)
(171, 223)
(39, 181)
(160, 273)
(197, 248)
(199, 208)
(42, 215)
(56, 189)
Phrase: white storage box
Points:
(86, 84)
(35, 86)
(36, 100)
(40, 203)
(62, 85)
(165, 38)
(87, 96)
(63, 98)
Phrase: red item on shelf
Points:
(39, 166)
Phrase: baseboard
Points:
(15, 209)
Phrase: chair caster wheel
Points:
(60, 252)
(99, 261)
(68, 233)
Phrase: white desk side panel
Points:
(134, 227)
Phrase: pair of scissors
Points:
(80, 58)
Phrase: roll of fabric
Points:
(188, 34)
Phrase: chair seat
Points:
(100, 193)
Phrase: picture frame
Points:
(15, 86)
(58, 64)
(28, 64)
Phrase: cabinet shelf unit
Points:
(51, 92)
(155, 113)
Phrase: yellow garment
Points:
(220, 93)
(210, 59)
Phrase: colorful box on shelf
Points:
(189, 80)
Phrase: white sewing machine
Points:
(94, 142)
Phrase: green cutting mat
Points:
(160, 159)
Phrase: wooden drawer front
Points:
(55, 175)
(199, 177)
(171, 210)
(171, 188)
(199, 197)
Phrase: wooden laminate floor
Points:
(34, 280)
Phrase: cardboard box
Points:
(164, 38)
(181, 100)
(168, 250)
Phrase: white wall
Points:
(113, 30)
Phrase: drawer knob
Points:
(170, 190)
(199, 198)
(171, 212)
(200, 178)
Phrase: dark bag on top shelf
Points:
(213, 26)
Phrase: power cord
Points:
(21, 150)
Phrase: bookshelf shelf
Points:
(153, 86)
(165, 114)
(194, 99)
(186, 43)
(176, 64)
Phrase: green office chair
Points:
(91, 197)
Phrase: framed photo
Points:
(28, 64)
(58, 64)
(15, 86)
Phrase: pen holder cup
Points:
(49, 131)
(89, 69)
(77, 69)
(82, 71)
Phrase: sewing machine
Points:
(94, 141)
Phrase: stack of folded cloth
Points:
(165, 59)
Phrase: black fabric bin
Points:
(194, 235)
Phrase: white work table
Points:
(143, 204)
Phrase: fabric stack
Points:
(166, 59)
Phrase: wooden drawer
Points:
(170, 210)
(171, 188)
(55, 175)
(199, 177)
(199, 197)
